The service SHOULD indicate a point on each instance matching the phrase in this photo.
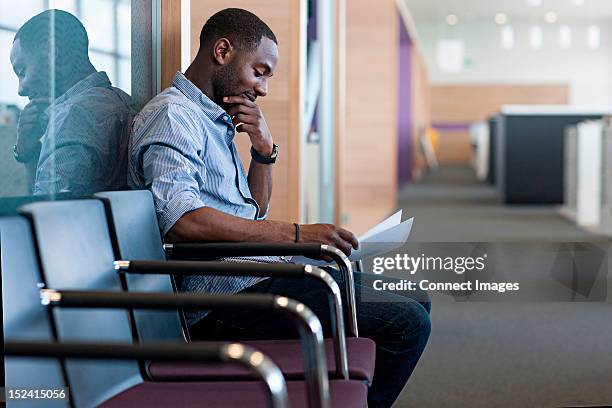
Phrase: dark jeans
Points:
(397, 321)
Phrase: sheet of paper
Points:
(392, 221)
(377, 244)
(384, 241)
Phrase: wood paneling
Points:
(475, 102)
(369, 165)
(170, 40)
(340, 141)
(281, 106)
(465, 104)
(421, 110)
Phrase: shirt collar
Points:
(96, 79)
(193, 93)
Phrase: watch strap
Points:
(263, 159)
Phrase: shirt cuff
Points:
(264, 216)
(174, 209)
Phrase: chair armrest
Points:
(183, 268)
(309, 326)
(182, 250)
(258, 363)
(199, 250)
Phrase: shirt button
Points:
(225, 117)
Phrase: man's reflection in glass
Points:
(73, 133)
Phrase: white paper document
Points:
(390, 234)
(390, 222)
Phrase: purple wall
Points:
(404, 107)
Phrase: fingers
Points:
(343, 246)
(44, 100)
(246, 128)
(247, 119)
(237, 109)
(37, 105)
(349, 237)
(240, 100)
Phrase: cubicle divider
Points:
(491, 174)
(606, 193)
(530, 151)
(570, 169)
(587, 194)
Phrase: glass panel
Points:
(66, 5)
(124, 21)
(98, 17)
(8, 82)
(125, 74)
(67, 131)
(20, 11)
(104, 62)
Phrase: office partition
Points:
(530, 151)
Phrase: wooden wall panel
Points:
(465, 104)
(170, 40)
(369, 169)
(421, 110)
(474, 102)
(281, 105)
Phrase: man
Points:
(73, 134)
(182, 149)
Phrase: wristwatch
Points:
(263, 159)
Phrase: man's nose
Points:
(22, 90)
(261, 89)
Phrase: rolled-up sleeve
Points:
(166, 154)
(265, 214)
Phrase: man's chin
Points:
(249, 97)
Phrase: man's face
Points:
(31, 70)
(247, 74)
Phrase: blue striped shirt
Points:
(182, 149)
(84, 147)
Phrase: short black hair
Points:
(243, 28)
(68, 33)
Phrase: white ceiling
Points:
(516, 10)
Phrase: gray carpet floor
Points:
(526, 353)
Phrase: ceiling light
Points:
(450, 55)
(507, 37)
(565, 36)
(501, 18)
(536, 37)
(534, 3)
(551, 17)
(577, 2)
(594, 37)
(452, 19)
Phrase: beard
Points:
(225, 83)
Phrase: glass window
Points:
(59, 137)
(66, 5)
(20, 12)
(125, 74)
(124, 20)
(104, 62)
(99, 18)
(8, 81)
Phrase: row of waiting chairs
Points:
(107, 292)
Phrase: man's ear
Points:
(223, 51)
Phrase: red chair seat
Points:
(286, 354)
(344, 394)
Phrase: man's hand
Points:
(329, 234)
(29, 129)
(247, 117)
